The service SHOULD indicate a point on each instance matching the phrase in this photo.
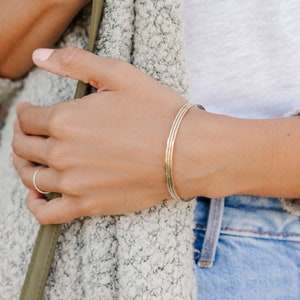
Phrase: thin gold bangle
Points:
(170, 149)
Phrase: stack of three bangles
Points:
(170, 149)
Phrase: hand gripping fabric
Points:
(45, 245)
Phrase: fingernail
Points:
(42, 54)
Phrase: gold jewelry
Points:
(170, 148)
(35, 184)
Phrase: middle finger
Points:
(30, 147)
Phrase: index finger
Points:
(34, 120)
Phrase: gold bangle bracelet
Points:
(170, 149)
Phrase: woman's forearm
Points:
(30, 24)
(126, 126)
(227, 156)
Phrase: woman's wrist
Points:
(205, 154)
(216, 156)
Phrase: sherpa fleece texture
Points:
(147, 255)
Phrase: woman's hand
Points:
(104, 152)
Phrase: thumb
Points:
(102, 73)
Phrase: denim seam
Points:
(209, 246)
(207, 251)
(271, 233)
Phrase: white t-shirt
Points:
(243, 57)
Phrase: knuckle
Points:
(55, 125)
(59, 122)
(57, 157)
(118, 66)
(67, 185)
(42, 218)
(25, 179)
(56, 120)
(23, 174)
(39, 214)
(16, 146)
(116, 73)
(89, 207)
(23, 122)
(70, 56)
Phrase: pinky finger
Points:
(57, 211)
(35, 202)
(39, 206)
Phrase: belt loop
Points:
(214, 222)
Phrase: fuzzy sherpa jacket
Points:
(147, 255)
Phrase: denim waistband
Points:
(240, 216)
(253, 217)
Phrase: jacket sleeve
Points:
(8, 88)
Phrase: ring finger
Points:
(46, 179)
(32, 148)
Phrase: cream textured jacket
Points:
(147, 255)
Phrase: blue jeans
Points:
(246, 248)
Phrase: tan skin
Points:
(40, 26)
(111, 160)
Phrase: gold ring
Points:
(35, 184)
